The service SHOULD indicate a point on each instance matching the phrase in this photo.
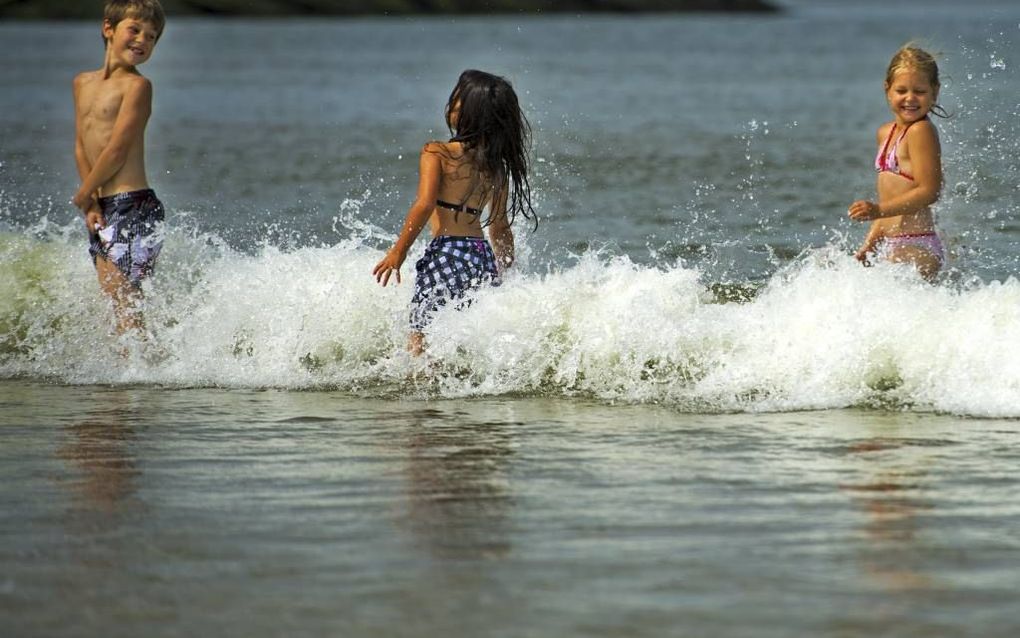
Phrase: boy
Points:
(112, 106)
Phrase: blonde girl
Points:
(909, 167)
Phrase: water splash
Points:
(821, 333)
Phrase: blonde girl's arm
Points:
(500, 234)
(429, 174)
(135, 108)
(875, 234)
(926, 162)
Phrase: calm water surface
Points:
(132, 511)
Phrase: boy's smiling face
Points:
(131, 40)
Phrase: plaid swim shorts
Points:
(450, 268)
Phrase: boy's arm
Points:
(500, 234)
(429, 169)
(84, 168)
(135, 108)
(81, 159)
(93, 213)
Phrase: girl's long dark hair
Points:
(493, 130)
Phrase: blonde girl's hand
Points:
(387, 266)
(863, 210)
(862, 255)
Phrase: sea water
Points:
(686, 411)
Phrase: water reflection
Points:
(893, 493)
(458, 490)
(99, 447)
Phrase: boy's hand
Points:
(388, 265)
(863, 210)
(94, 220)
(83, 200)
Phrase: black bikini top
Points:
(459, 208)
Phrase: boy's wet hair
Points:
(492, 128)
(147, 10)
(913, 58)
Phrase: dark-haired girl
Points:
(483, 165)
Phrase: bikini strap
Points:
(458, 208)
(883, 163)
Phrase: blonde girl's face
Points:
(911, 95)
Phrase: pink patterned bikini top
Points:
(886, 160)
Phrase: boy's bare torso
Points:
(98, 103)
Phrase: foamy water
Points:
(820, 333)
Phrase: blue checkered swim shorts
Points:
(450, 268)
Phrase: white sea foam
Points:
(823, 333)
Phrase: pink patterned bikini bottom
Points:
(926, 241)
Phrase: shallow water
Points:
(733, 142)
(138, 510)
(688, 412)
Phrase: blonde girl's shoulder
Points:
(923, 128)
(922, 134)
(883, 131)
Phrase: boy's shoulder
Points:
(137, 81)
(134, 89)
(128, 80)
(134, 79)
(86, 77)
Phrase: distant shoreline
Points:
(61, 9)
